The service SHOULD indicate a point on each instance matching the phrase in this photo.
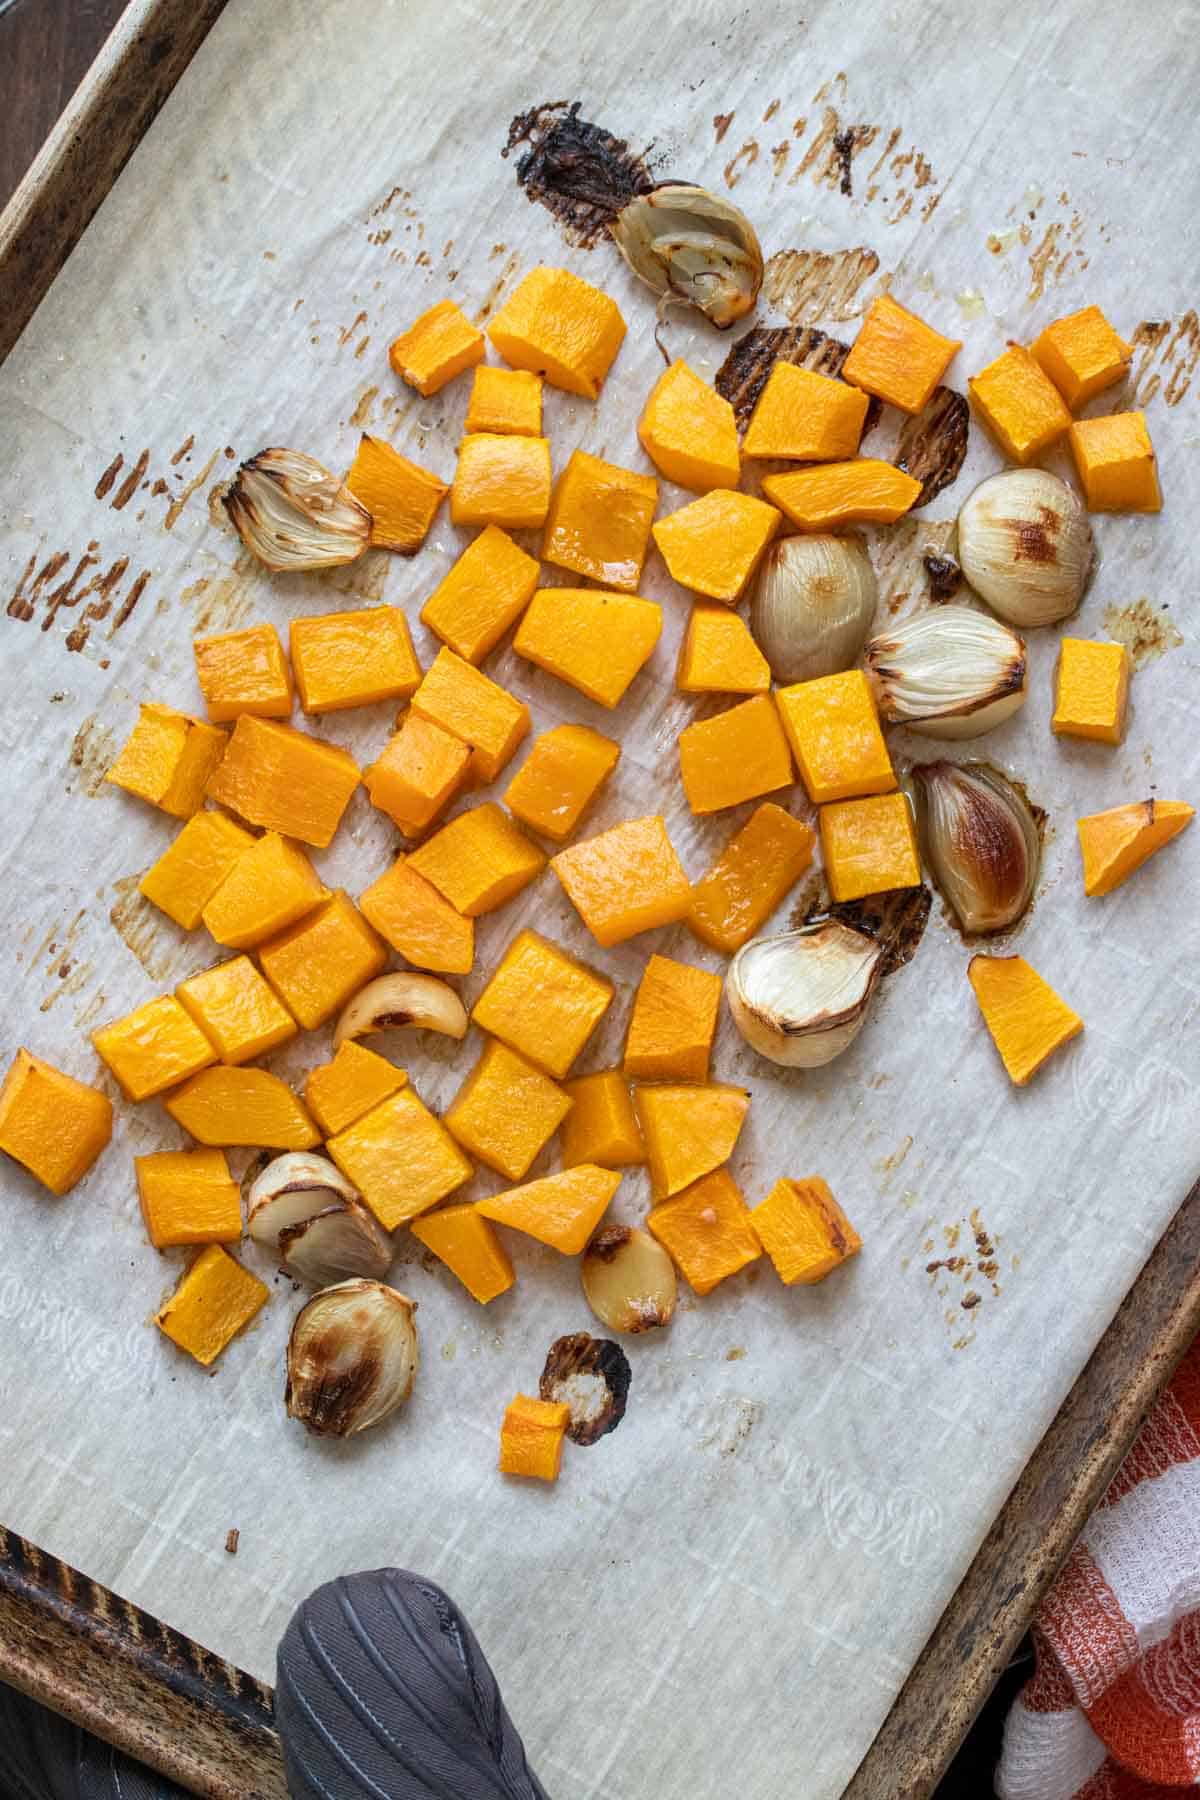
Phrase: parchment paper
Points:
(724, 1596)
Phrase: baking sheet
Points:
(726, 1594)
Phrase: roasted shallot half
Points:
(591, 1377)
(291, 513)
(950, 672)
(392, 1001)
(814, 600)
(303, 1208)
(351, 1358)
(628, 1279)
(981, 839)
(802, 998)
(692, 246)
(1025, 545)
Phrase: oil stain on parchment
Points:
(581, 173)
(807, 285)
(1166, 354)
(93, 752)
(909, 558)
(85, 580)
(223, 602)
(1146, 630)
(968, 1274)
(830, 147)
(68, 972)
(139, 926)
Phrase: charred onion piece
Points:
(592, 1376)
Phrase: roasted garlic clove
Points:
(813, 604)
(391, 1001)
(291, 513)
(802, 998)
(591, 1376)
(981, 839)
(291, 1189)
(628, 1279)
(684, 242)
(1026, 546)
(351, 1358)
(950, 672)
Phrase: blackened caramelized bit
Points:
(933, 444)
(944, 574)
(579, 172)
(896, 920)
(744, 373)
(592, 1376)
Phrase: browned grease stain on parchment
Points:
(1146, 630)
(65, 970)
(138, 924)
(223, 602)
(740, 162)
(966, 1276)
(181, 499)
(898, 553)
(39, 588)
(491, 299)
(93, 751)
(807, 285)
(1166, 353)
(831, 148)
(131, 483)
(721, 124)
(363, 408)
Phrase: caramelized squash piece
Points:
(1027, 1020)
(1019, 404)
(805, 417)
(1082, 355)
(1116, 842)
(168, 759)
(356, 658)
(531, 1437)
(506, 1111)
(436, 347)
(599, 521)
(236, 1010)
(750, 877)
(688, 1131)
(842, 493)
(417, 774)
(735, 756)
(713, 545)
(409, 912)
(461, 1237)
(51, 1124)
(804, 1231)
(596, 641)
(190, 870)
(625, 880)
(400, 1158)
(479, 860)
(689, 432)
(483, 594)
(216, 1299)
(897, 356)
(471, 706)
(237, 1107)
(243, 671)
(560, 779)
(1091, 690)
(719, 656)
(501, 480)
(601, 1126)
(316, 965)
(283, 780)
(560, 1210)
(1115, 461)
(869, 846)
(153, 1047)
(401, 497)
(188, 1197)
(269, 887)
(707, 1231)
(833, 729)
(505, 400)
(673, 1022)
(542, 1002)
(560, 326)
(339, 1092)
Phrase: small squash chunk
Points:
(1027, 1020)
(1115, 461)
(168, 759)
(1019, 404)
(707, 1231)
(560, 779)
(400, 1158)
(436, 347)
(559, 326)
(479, 860)
(750, 877)
(189, 871)
(560, 1210)
(243, 671)
(736, 756)
(843, 493)
(688, 1131)
(599, 521)
(284, 780)
(673, 1022)
(271, 885)
(317, 964)
(482, 595)
(833, 729)
(401, 497)
(215, 1300)
(506, 1111)
(719, 656)
(531, 1437)
(505, 400)
(804, 1231)
(349, 659)
(188, 1197)
(601, 1126)
(898, 356)
(501, 480)
(1116, 842)
(462, 1239)
(471, 706)
(689, 432)
(51, 1124)
(409, 912)
(543, 1003)
(417, 774)
(242, 1108)
(625, 880)
(153, 1047)
(869, 846)
(713, 545)
(806, 417)
(339, 1092)
(1082, 355)
(236, 1010)
(1091, 690)
(594, 640)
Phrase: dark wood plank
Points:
(46, 47)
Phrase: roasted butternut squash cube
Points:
(188, 1197)
(462, 1239)
(317, 964)
(531, 1438)
(401, 497)
(505, 400)
(594, 640)
(339, 1092)
(409, 912)
(1116, 842)
(1027, 1020)
(543, 1003)
(417, 774)
(804, 1231)
(560, 1210)
(270, 886)
(625, 880)
(869, 846)
(153, 1047)
(601, 1126)
(436, 347)
(216, 1299)
(750, 877)
(506, 1111)
(501, 480)
(736, 756)
(599, 521)
(51, 1124)
(689, 432)
(833, 729)
(483, 594)
(400, 1158)
(719, 656)
(350, 659)
(1082, 355)
(1091, 690)
(479, 860)
(688, 1131)
(707, 1231)
(242, 1108)
(560, 779)
(1115, 461)
(713, 545)
(243, 671)
(898, 356)
(283, 780)
(1019, 404)
(805, 417)
(843, 493)
(471, 706)
(560, 326)
(168, 759)
(190, 870)
(673, 1022)
(236, 1010)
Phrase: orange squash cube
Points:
(531, 1438)
(713, 545)
(236, 1010)
(400, 1158)
(417, 774)
(243, 671)
(168, 759)
(869, 846)
(1116, 842)
(283, 780)
(898, 356)
(317, 964)
(673, 1022)
(190, 870)
(412, 916)
(501, 480)
(625, 880)
(594, 640)
(506, 1111)
(804, 1231)
(736, 756)
(483, 594)
(479, 860)
(707, 1231)
(543, 1003)
(833, 729)
(153, 1047)
(1115, 461)
(436, 347)
(339, 1092)
(242, 1108)
(462, 1239)
(750, 877)
(215, 1300)
(1027, 1020)
(270, 886)
(1082, 355)
(401, 497)
(560, 1210)
(689, 432)
(1091, 690)
(188, 1197)
(601, 1126)
(505, 400)
(805, 417)
(719, 656)
(844, 493)
(560, 779)
(1019, 404)
(353, 659)
(471, 706)
(51, 1124)
(559, 326)
(688, 1131)
(599, 521)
